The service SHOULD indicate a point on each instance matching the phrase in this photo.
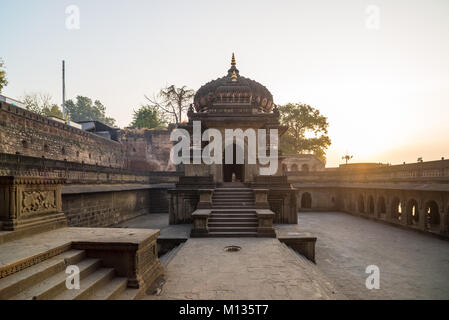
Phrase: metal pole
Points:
(64, 116)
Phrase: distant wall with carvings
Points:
(95, 196)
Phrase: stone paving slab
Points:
(263, 269)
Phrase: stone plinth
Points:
(265, 228)
(261, 198)
(200, 218)
(31, 204)
(132, 253)
(205, 198)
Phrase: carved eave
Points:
(14, 180)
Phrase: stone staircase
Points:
(233, 212)
(46, 280)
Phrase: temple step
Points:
(88, 285)
(46, 280)
(55, 284)
(232, 234)
(15, 283)
(214, 219)
(110, 290)
(232, 224)
(233, 213)
(234, 203)
(232, 197)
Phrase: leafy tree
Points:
(307, 130)
(3, 80)
(42, 104)
(173, 101)
(86, 110)
(148, 117)
(53, 111)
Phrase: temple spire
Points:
(233, 69)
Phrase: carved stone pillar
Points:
(31, 203)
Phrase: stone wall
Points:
(105, 208)
(94, 196)
(412, 196)
(148, 149)
(27, 133)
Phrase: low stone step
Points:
(233, 229)
(232, 234)
(128, 294)
(213, 219)
(225, 188)
(48, 288)
(109, 290)
(17, 282)
(88, 285)
(233, 206)
(233, 203)
(232, 224)
(231, 197)
(233, 191)
(232, 215)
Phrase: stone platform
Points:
(34, 267)
(263, 269)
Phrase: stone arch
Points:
(432, 216)
(412, 212)
(360, 204)
(305, 168)
(396, 209)
(381, 207)
(294, 167)
(306, 200)
(371, 205)
(238, 170)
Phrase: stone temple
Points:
(112, 203)
(231, 190)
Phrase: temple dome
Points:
(233, 89)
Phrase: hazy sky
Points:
(383, 83)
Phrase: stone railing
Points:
(425, 172)
(78, 173)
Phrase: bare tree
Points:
(173, 101)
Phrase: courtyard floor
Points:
(412, 265)
(263, 269)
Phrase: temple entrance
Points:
(230, 169)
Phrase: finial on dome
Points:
(234, 76)
(233, 63)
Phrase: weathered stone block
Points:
(31, 203)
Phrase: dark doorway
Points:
(306, 200)
(234, 168)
